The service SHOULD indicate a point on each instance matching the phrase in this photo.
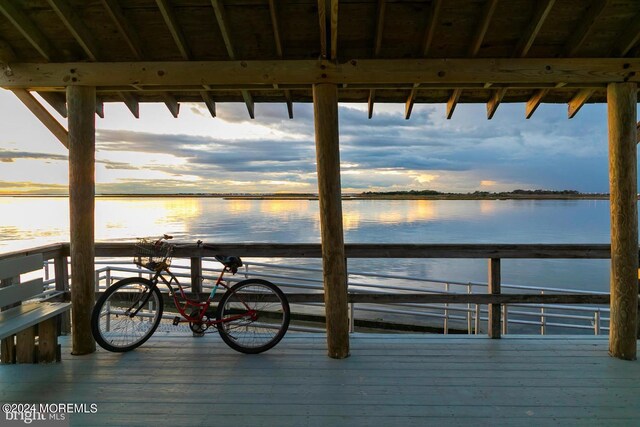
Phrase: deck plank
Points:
(409, 380)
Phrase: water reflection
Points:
(31, 221)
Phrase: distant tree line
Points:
(475, 193)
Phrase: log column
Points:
(325, 109)
(621, 101)
(82, 141)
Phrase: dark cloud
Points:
(9, 156)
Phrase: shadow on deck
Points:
(408, 380)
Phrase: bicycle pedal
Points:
(176, 320)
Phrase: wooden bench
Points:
(29, 326)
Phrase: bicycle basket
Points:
(152, 254)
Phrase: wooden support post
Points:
(621, 101)
(196, 274)
(494, 289)
(48, 340)
(62, 284)
(325, 109)
(8, 345)
(25, 345)
(81, 101)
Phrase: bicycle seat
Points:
(231, 262)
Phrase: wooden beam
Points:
(494, 102)
(57, 100)
(452, 102)
(77, 27)
(172, 104)
(131, 102)
(322, 21)
(325, 108)
(638, 132)
(126, 30)
(171, 21)
(82, 140)
(629, 37)
(580, 34)
(28, 29)
(221, 18)
(585, 72)
(208, 101)
(279, 51)
(622, 99)
(534, 102)
(541, 13)
(408, 105)
(578, 101)
(543, 8)
(43, 115)
(487, 13)
(334, 29)
(432, 20)
(100, 108)
(377, 45)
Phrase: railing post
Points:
(505, 320)
(196, 275)
(469, 292)
(543, 319)
(477, 320)
(61, 272)
(494, 289)
(445, 327)
(596, 322)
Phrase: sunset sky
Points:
(232, 153)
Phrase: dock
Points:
(388, 380)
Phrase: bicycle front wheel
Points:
(127, 314)
(253, 316)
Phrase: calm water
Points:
(28, 222)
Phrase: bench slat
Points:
(20, 292)
(26, 316)
(13, 267)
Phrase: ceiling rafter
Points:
(571, 47)
(221, 18)
(328, 20)
(580, 34)
(131, 102)
(629, 38)
(28, 29)
(432, 19)
(278, 41)
(131, 37)
(540, 14)
(170, 19)
(481, 31)
(7, 54)
(77, 27)
(578, 101)
(377, 46)
(125, 29)
(208, 101)
(543, 8)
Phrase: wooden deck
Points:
(407, 380)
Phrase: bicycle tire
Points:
(268, 325)
(118, 332)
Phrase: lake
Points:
(33, 221)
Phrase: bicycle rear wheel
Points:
(127, 314)
(253, 316)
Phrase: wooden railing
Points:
(492, 252)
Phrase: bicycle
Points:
(252, 316)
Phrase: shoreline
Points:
(345, 197)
